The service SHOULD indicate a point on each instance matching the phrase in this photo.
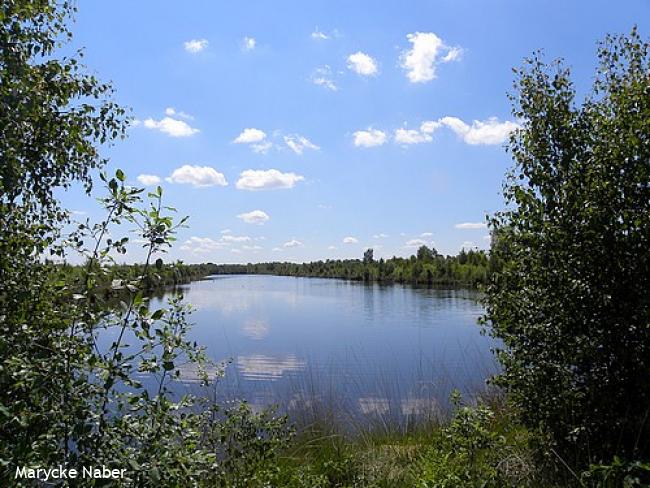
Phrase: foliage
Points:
(474, 450)
(570, 302)
(617, 474)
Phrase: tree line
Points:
(426, 267)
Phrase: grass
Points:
(479, 445)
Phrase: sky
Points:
(299, 131)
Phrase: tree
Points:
(368, 256)
(425, 254)
(570, 300)
(53, 117)
(64, 399)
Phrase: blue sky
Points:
(312, 130)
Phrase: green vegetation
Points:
(469, 268)
(570, 302)
(567, 294)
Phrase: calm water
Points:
(370, 350)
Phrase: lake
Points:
(368, 350)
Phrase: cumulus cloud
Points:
(362, 64)
(427, 50)
(250, 135)
(490, 131)
(426, 234)
(201, 245)
(148, 180)
(172, 112)
(270, 179)
(258, 217)
(170, 126)
(256, 138)
(411, 136)
(249, 43)
(471, 225)
(198, 176)
(369, 138)
(350, 240)
(323, 77)
(195, 45)
(292, 243)
(380, 236)
(298, 143)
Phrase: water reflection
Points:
(256, 329)
(269, 368)
(377, 406)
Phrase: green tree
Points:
(570, 301)
(368, 256)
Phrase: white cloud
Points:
(262, 147)
(198, 176)
(468, 245)
(195, 45)
(490, 131)
(454, 54)
(276, 249)
(292, 243)
(250, 135)
(254, 217)
(471, 225)
(369, 138)
(226, 231)
(380, 236)
(426, 234)
(252, 248)
(332, 248)
(362, 64)
(270, 179)
(256, 138)
(201, 245)
(170, 126)
(231, 238)
(249, 43)
(350, 240)
(323, 77)
(298, 143)
(420, 61)
(430, 126)
(319, 35)
(416, 243)
(411, 136)
(148, 180)
(235, 251)
(172, 112)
